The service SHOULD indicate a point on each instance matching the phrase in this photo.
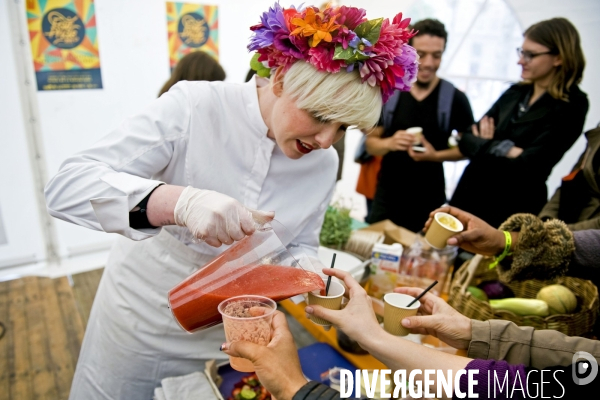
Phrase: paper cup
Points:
(333, 301)
(442, 228)
(416, 131)
(395, 309)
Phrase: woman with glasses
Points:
(516, 144)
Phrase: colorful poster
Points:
(192, 27)
(64, 44)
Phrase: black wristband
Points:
(139, 219)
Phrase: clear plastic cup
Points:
(247, 318)
(265, 263)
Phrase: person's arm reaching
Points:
(269, 361)
(358, 321)
(98, 187)
(538, 247)
(503, 340)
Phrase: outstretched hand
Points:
(357, 319)
(280, 355)
(478, 237)
(437, 318)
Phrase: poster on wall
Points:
(192, 27)
(64, 44)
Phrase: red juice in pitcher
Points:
(194, 301)
(259, 264)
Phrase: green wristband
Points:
(506, 251)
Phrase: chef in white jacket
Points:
(189, 173)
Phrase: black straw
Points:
(422, 294)
(329, 279)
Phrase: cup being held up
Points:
(443, 227)
(331, 300)
(395, 309)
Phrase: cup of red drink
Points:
(247, 318)
(266, 263)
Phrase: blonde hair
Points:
(339, 97)
(561, 38)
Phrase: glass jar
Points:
(421, 265)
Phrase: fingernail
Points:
(308, 310)
(224, 346)
(406, 322)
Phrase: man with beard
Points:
(411, 183)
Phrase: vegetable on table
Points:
(560, 299)
(477, 293)
(521, 306)
(249, 388)
(496, 290)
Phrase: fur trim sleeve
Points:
(544, 249)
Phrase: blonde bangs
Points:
(339, 97)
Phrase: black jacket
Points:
(493, 187)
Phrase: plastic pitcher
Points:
(265, 263)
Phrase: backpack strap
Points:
(445, 98)
(389, 108)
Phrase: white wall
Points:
(134, 61)
(17, 202)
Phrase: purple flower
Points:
(272, 23)
(361, 45)
(409, 60)
(283, 43)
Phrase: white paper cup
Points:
(417, 132)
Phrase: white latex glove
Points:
(216, 218)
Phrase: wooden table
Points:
(366, 361)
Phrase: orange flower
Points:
(312, 25)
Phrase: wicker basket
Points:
(476, 270)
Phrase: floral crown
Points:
(336, 38)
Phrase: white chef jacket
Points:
(209, 135)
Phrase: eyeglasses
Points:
(528, 56)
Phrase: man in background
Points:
(411, 183)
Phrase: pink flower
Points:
(403, 24)
(344, 36)
(372, 69)
(322, 58)
(276, 58)
(390, 40)
(351, 17)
